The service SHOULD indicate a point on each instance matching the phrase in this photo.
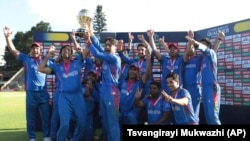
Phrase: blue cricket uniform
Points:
(124, 73)
(155, 109)
(71, 102)
(191, 81)
(109, 91)
(141, 64)
(55, 120)
(90, 66)
(90, 106)
(36, 95)
(211, 91)
(183, 115)
(128, 113)
(176, 66)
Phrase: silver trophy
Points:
(84, 17)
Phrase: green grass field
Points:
(12, 117)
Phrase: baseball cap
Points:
(173, 45)
(35, 44)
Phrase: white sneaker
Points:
(32, 139)
(46, 139)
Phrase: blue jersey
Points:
(141, 64)
(89, 101)
(33, 79)
(70, 81)
(168, 66)
(89, 66)
(124, 72)
(111, 68)
(192, 71)
(155, 109)
(109, 91)
(183, 114)
(56, 81)
(209, 65)
(127, 96)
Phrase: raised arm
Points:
(218, 41)
(93, 38)
(130, 40)
(164, 44)
(144, 41)
(148, 68)
(103, 56)
(43, 66)
(150, 34)
(83, 52)
(7, 33)
(73, 38)
(190, 50)
(203, 48)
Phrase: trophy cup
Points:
(84, 17)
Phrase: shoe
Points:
(32, 139)
(46, 139)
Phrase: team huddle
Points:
(116, 89)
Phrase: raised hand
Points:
(150, 33)
(221, 35)
(190, 34)
(138, 93)
(167, 97)
(130, 37)
(141, 37)
(190, 40)
(73, 33)
(6, 31)
(162, 40)
(51, 52)
(79, 50)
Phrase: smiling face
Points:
(35, 51)
(172, 81)
(66, 52)
(172, 84)
(141, 50)
(173, 51)
(133, 72)
(110, 45)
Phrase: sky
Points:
(123, 15)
